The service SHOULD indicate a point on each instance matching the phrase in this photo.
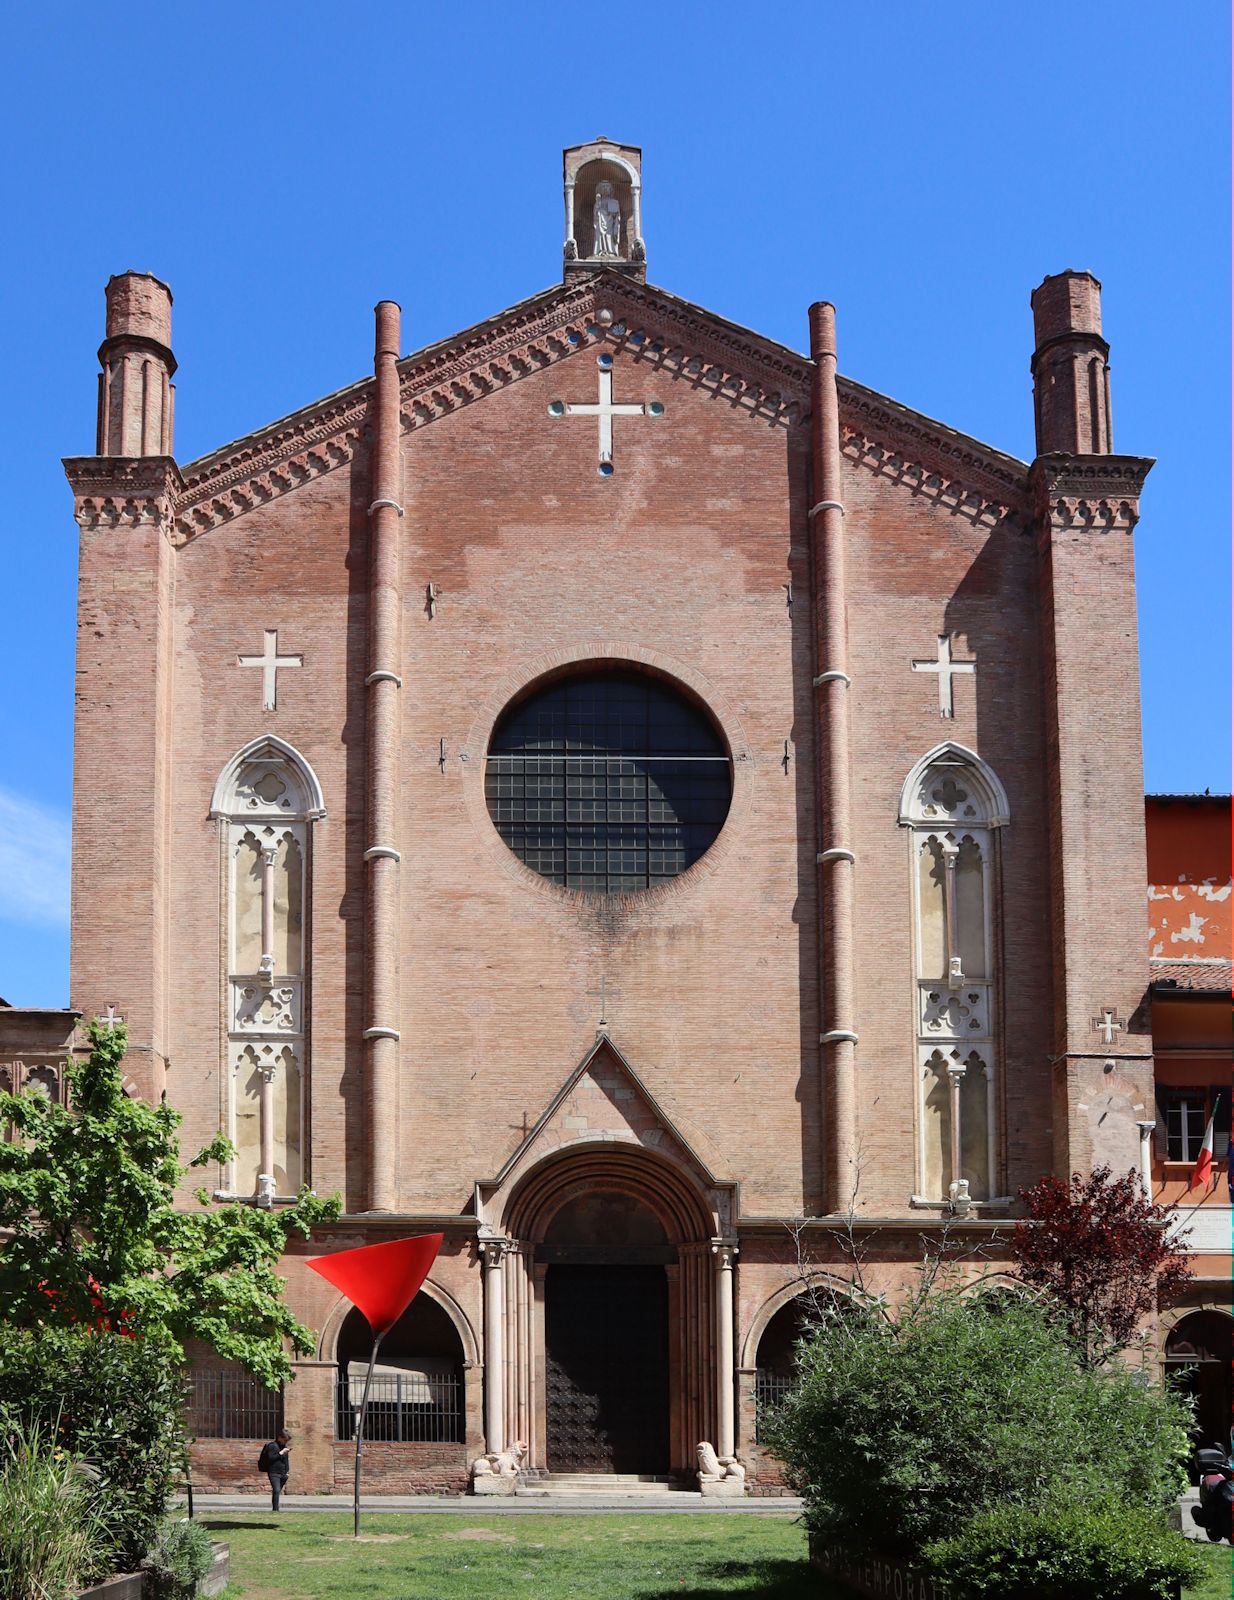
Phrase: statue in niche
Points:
(606, 221)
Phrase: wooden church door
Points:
(606, 1348)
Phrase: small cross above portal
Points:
(946, 669)
(1107, 1025)
(605, 410)
(605, 994)
(270, 661)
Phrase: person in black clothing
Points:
(275, 1463)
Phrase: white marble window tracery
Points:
(953, 806)
(266, 802)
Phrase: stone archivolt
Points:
(653, 327)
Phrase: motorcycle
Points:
(1216, 1507)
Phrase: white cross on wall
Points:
(270, 661)
(1107, 1025)
(605, 410)
(946, 669)
(112, 1018)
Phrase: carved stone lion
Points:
(496, 1472)
(718, 1469)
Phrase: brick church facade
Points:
(610, 789)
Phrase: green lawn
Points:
(312, 1556)
(1220, 1581)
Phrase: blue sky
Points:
(924, 166)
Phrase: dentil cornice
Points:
(969, 478)
(652, 328)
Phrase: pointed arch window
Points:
(266, 801)
(953, 805)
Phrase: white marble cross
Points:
(1107, 1025)
(270, 661)
(112, 1018)
(946, 669)
(605, 410)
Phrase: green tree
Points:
(1104, 1255)
(88, 1191)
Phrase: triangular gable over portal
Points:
(750, 373)
(605, 1102)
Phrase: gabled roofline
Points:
(352, 393)
(745, 366)
(1007, 468)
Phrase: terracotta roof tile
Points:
(1209, 977)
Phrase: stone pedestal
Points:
(722, 1488)
(492, 1483)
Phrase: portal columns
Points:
(492, 1258)
(724, 1256)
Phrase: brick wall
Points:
(683, 563)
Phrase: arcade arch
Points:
(417, 1394)
(1198, 1352)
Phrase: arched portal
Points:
(609, 1314)
(1198, 1351)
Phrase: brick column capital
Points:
(1100, 494)
(124, 491)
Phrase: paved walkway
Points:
(1186, 1523)
(548, 1505)
(538, 1505)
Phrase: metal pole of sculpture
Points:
(368, 1379)
(381, 1281)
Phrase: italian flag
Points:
(1203, 1168)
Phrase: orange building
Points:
(1189, 949)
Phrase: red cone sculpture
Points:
(381, 1280)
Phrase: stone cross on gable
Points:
(946, 669)
(270, 661)
(605, 410)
